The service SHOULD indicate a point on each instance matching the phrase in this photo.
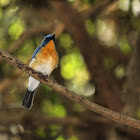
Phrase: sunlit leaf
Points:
(124, 46)
(60, 138)
(136, 7)
(124, 5)
(73, 68)
(69, 65)
(4, 2)
(73, 138)
(119, 71)
(65, 40)
(81, 76)
(106, 31)
(16, 29)
(57, 110)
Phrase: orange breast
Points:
(48, 52)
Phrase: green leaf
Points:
(69, 64)
(119, 71)
(65, 40)
(16, 29)
(41, 133)
(124, 46)
(4, 2)
(60, 138)
(56, 110)
(90, 27)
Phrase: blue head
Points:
(46, 39)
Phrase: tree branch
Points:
(117, 117)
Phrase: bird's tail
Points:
(28, 99)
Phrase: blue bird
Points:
(45, 60)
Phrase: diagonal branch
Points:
(117, 117)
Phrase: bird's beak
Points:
(53, 36)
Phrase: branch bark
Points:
(117, 117)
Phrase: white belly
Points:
(45, 67)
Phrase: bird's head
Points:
(46, 39)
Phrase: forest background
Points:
(98, 45)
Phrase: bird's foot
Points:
(46, 76)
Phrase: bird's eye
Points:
(46, 39)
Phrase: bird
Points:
(45, 60)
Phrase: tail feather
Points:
(28, 99)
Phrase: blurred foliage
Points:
(124, 4)
(41, 133)
(26, 50)
(106, 31)
(72, 138)
(56, 109)
(90, 1)
(108, 63)
(119, 72)
(71, 64)
(65, 40)
(124, 46)
(4, 2)
(138, 114)
(90, 25)
(72, 71)
(54, 129)
(16, 29)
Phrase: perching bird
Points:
(45, 60)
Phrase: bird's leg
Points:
(46, 76)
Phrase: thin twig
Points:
(117, 117)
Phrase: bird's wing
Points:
(35, 52)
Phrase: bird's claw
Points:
(46, 76)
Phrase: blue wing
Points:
(35, 52)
